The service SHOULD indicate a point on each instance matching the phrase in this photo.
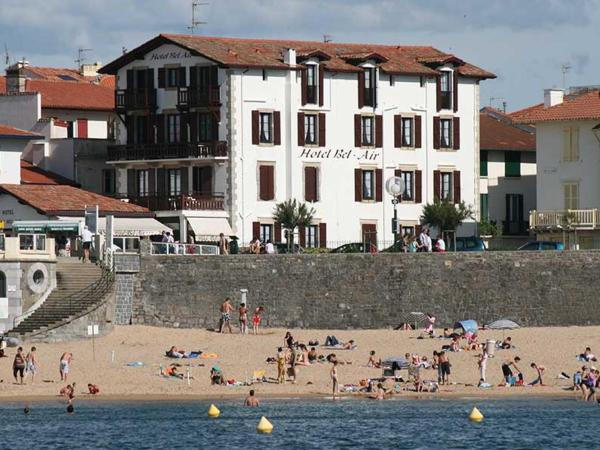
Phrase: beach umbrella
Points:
(467, 326)
(503, 324)
(399, 361)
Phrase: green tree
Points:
(292, 214)
(444, 215)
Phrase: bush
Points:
(489, 228)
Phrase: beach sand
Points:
(238, 356)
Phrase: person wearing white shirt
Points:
(269, 248)
(440, 244)
(86, 238)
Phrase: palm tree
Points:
(292, 214)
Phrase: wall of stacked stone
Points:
(126, 269)
(371, 291)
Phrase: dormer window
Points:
(369, 87)
(311, 84)
(446, 89)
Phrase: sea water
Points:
(301, 423)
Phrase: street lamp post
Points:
(395, 187)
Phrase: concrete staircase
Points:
(79, 289)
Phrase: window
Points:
(409, 184)
(206, 127)
(172, 77)
(367, 131)
(109, 181)
(446, 185)
(571, 144)
(142, 183)
(202, 179)
(512, 164)
(369, 88)
(408, 231)
(311, 83)
(571, 191)
(310, 129)
(407, 132)
(483, 163)
(514, 214)
(368, 185)
(141, 129)
(173, 128)
(2, 285)
(127, 244)
(266, 127)
(266, 232)
(445, 133)
(446, 89)
(311, 236)
(32, 242)
(174, 181)
(485, 210)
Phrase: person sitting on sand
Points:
(313, 356)
(587, 355)
(374, 361)
(506, 343)
(447, 333)
(216, 376)
(381, 393)
(93, 389)
(454, 345)
(303, 359)
(472, 343)
(539, 371)
(251, 400)
(171, 371)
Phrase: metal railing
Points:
(164, 202)
(576, 219)
(195, 96)
(135, 99)
(166, 248)
(179, 150)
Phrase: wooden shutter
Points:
(357, 185)
(310, 184)
(378, 185)
(82, 128)
(302, 236)
(185, 180)
(129, 79)
(214, 76)
(267, 183)
(255, 136)
(361, 90)
(397, 131)
(378, 131)
(323, 235)
(262, 182)
(131, 183)
(182, 81)
(301, 130)
(455, 90)
(321, 84)
(418, 187)
(255, 230)
(418, 127)
(276, 128)
(456, 133)
(436, 132)
(150, 78)
(151, 181)
(456, 186)
(193, 124)
(160, 128)
(193, 76)
(304, 86)
(438, 92)
(437, 194)
(322, 130)
(357, 134)
(161, 77)
(161, 181)
(277, 232)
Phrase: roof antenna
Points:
(565, 68)
(327, 38)
(195, 22)
(80, 56)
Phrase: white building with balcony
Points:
(568, 163)
(215, 131)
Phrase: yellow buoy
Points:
(475, 415)
(264, 426)
(213, 411)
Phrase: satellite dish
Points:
(394, 186)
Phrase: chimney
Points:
(16, 78)
(553, 97)
(90, 70)
(289, 57)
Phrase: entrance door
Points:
(369, 237)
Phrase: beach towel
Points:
(135, 364)
(209, 355)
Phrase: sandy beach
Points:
(240, 355)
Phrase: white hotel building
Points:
(215, 131)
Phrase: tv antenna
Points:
(7, 55)
(81, 55)
(327, 38)
(565, 68)
(196, 22)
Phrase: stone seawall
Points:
(369, 291)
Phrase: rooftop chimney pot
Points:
(553, 97)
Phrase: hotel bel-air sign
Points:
(352, 154)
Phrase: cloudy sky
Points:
(525, 42)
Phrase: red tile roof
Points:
(7, 131)
(31, 174)
(63, 200)
(498, 132)
(263, 53)
(574, 107)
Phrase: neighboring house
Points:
(568, 164)
(73, 111)
(507, 169)
(216, 131)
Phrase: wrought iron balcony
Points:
(131, 99)
(196, 201)
(182, 150)
(192, 97)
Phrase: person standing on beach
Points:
(19, 365)
(64, 365)
(251, 400)
(444, 368)
(243, 311)
(31, 365)
(256, 319)
(334, 378)
(482, 363)
(226, 310)
(280, 366)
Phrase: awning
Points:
(133, 226)
(209, 227)
(45, 226)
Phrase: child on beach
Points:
(257, 318)
(31, 364)
(539, 370)
(243, 312)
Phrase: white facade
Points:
(244, 91)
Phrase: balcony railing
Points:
(574, 219)
(197, 201)
(182, 150)
(191, 97)
(129, 99)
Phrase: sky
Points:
(524, 42)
